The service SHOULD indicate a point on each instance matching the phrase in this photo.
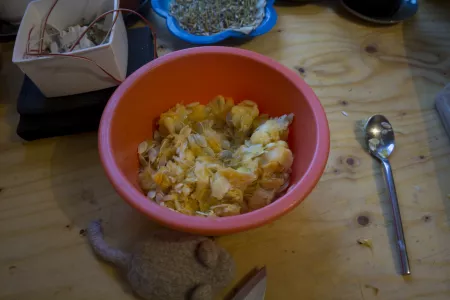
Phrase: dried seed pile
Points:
(206, 17)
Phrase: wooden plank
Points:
(51, 189)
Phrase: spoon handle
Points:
(397, 218)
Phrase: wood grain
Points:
(51, 189)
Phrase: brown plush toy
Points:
(169, 265)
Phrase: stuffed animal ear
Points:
(207, 253)
(202, 292)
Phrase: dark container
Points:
(374, 8)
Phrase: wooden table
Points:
(51, 189)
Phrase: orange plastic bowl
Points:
(198, 75)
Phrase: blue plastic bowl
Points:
(161, 7)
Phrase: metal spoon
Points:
(380, 141)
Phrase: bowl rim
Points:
(225, 225)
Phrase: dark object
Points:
(42, 117)
(8, 31)
(129, 4)
(363, 220)
(382, 11)
(376, 11)
(143, 8)
(374, 8)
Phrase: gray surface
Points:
(443, 107)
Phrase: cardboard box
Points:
(62, 76)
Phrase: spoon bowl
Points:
(380, 138)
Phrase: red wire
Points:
(29, 37)
(79, 57)
(111, 29)
(114, 10)
(41, 43)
